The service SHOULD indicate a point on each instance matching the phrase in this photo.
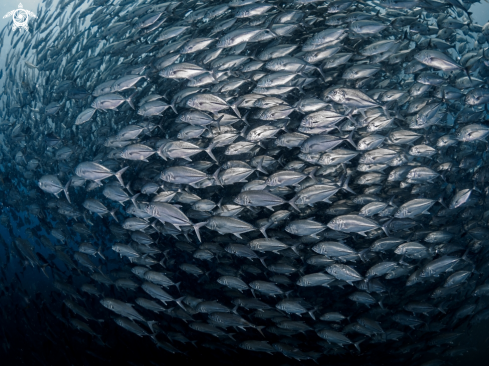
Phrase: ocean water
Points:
(35, 326)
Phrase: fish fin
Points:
(292, 203)
(312, 174)
(321, 72)
(134, 202)
(118, 175)
(465, 258)
(99, 252)
(179, 302)
(234, 107)
(245, 118)
(218, 121)
(242, 133)
(385, 108)
(112, 213)
(384, 227)
(150, 325)
(362, 254)
(216, 176)
(259, 328)
(128, 187)
(357, 344)
(311, 312)
(300, 87)
(263, 230)
(260, 166)
(350, 139)
(440, 200)
(197, 227)
(209, 151)
(131, 101)
(65, 189)
(344, 185)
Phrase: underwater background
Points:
(52, 121)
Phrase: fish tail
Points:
(65, 189)
(216, 176)
(197, 227)
(234, 107)
(345, 186)
(112, 213)
(260, 166)
(130, 100)
(259, 328)
(357, 345)
(209, 151)
(350, 139)
(118, 175)
(292, 203)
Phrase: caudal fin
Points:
(134, 202)
(128, 187)
(350, 139)
(130, 100)
(245, 118)
(312, 173)
(197, 228)
(292, 203)
(345, 186)
(234, 107)
(363, 254)
(385, 227)
(112, 213)
(172, 105)
(357, 345)
(65, 189)
(311, 312)
(99, 252)
(150, 325)
(386, 111)
(179, 302)
(118, 175)
(260, 166)
(209, 151)
(216, 176)
(259, 328)
(263, 229)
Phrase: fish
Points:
(300, 178)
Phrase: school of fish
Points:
(294, 180)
